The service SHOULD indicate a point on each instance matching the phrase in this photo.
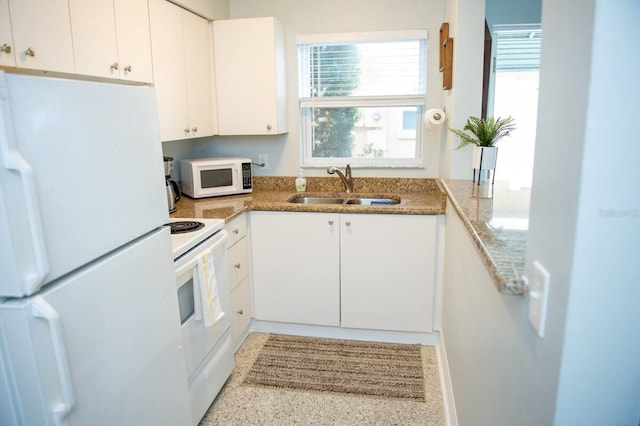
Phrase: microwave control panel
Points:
(246, 175)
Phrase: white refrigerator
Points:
(89, 322)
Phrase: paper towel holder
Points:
(434, 116)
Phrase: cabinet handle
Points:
(30, 52)
(347, 223)
(268, 126)
(114, 66)
(5, 48)
(128, 68)
(187, 130)
(237, 266)
(330, 222)
(194, 129)
(235, 231)
(241, 311)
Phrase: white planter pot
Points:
(484, 163)
(484, 157)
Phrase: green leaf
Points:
(487, 132)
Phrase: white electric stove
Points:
(208, 349)
(186, 239)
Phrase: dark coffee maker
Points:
(173, 192)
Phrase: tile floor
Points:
(238, 404)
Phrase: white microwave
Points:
(212, 177)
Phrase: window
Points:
(517, 63)
(362, 97)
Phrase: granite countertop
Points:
(498, 226)
(418, 196)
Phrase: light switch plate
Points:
(538, 296)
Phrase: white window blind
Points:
(518, 50)
(364, 69)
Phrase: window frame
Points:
(307, 103)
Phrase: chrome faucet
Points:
(347, 180)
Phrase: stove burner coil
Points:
(185, 226)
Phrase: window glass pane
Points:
(364, 132)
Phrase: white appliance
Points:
(214, 176)
(208, 350)
(89, 322)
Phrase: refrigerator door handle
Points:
(41, 309)
(13, 161)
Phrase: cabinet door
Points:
(239, 262)
(197, 53)
(169, 69)
(134, 39)
(94, 38)
(296, 267)
(42, 34)
(7, 51)
(241, 311)
(247, 76)
(387, 271)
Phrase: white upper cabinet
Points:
(94, 37)
(42, 34)
(181, 52)
(7, 51)
(111, 38)
(134, 39)
(197, 54)
(250, 76)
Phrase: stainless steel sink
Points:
(372, 201)
(316, 200)
(363, 201)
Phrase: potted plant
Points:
(484, 135)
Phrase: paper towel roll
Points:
(434, 117)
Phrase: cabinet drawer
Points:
(238, 262)
(237, 229)
(242, 311)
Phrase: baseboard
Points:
(427, 339)
(450, 415)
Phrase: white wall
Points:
(312, 16)
(466, 26)
(587, 160)
(488, 342)
(584, 228)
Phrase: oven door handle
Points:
(216, 242)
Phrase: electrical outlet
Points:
(264, 159)
(538, 296)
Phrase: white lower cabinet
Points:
(239, 259)
(296, 267)
(387, 271)
(365, 271)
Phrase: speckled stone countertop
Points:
(498, 226)
(418, 196)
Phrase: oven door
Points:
(198, 340)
